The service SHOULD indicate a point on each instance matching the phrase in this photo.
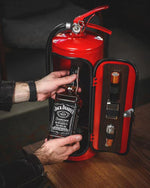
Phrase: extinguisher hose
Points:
(57, 29)
(49, 59)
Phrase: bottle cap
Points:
(115, 77)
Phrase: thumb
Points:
(69, 140)
(66, 79)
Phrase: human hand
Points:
(52, 84)
(58, 150)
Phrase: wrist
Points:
(21, 92)
(40, 93)
(39, 154)
(33, 91)
(44, 155)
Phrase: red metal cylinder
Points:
(89, 46)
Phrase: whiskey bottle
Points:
(110, 133)
(66, 109)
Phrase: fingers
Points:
(72, 149)
(68, 150)
(57, 150)
(66, 80)
(60, 90)
(69, 140)
(79, 90)
(61, 73)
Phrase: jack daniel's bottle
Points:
(66, 109)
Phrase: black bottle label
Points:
(63, 119)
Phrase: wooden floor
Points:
(109, 170)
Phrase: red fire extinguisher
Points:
(76, 41)
(102, 114)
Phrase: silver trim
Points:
(110, 129)
(68, 25)
(128, 113)
(76, 28)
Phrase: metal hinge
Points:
(128, 113)
(94, 81)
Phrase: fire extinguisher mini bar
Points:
(103, 111)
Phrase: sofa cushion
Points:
(133, 14)
(23, 65)
(23, 8)
(126, 46)
(33, 32)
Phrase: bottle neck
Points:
(72, 88)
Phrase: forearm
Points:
(6, 94)
(15, 92)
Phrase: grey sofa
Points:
(26, 25)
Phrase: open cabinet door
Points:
(113, 105)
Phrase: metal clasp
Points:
(78, 27)
(128, 113)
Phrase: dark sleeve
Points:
(6, 94)
(26, 171)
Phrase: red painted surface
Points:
(61, 63)
(128, 105)
(87, 14)
(87, 155)
(97, 106)
(89, 47)
(98, 27)
(81, 20)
